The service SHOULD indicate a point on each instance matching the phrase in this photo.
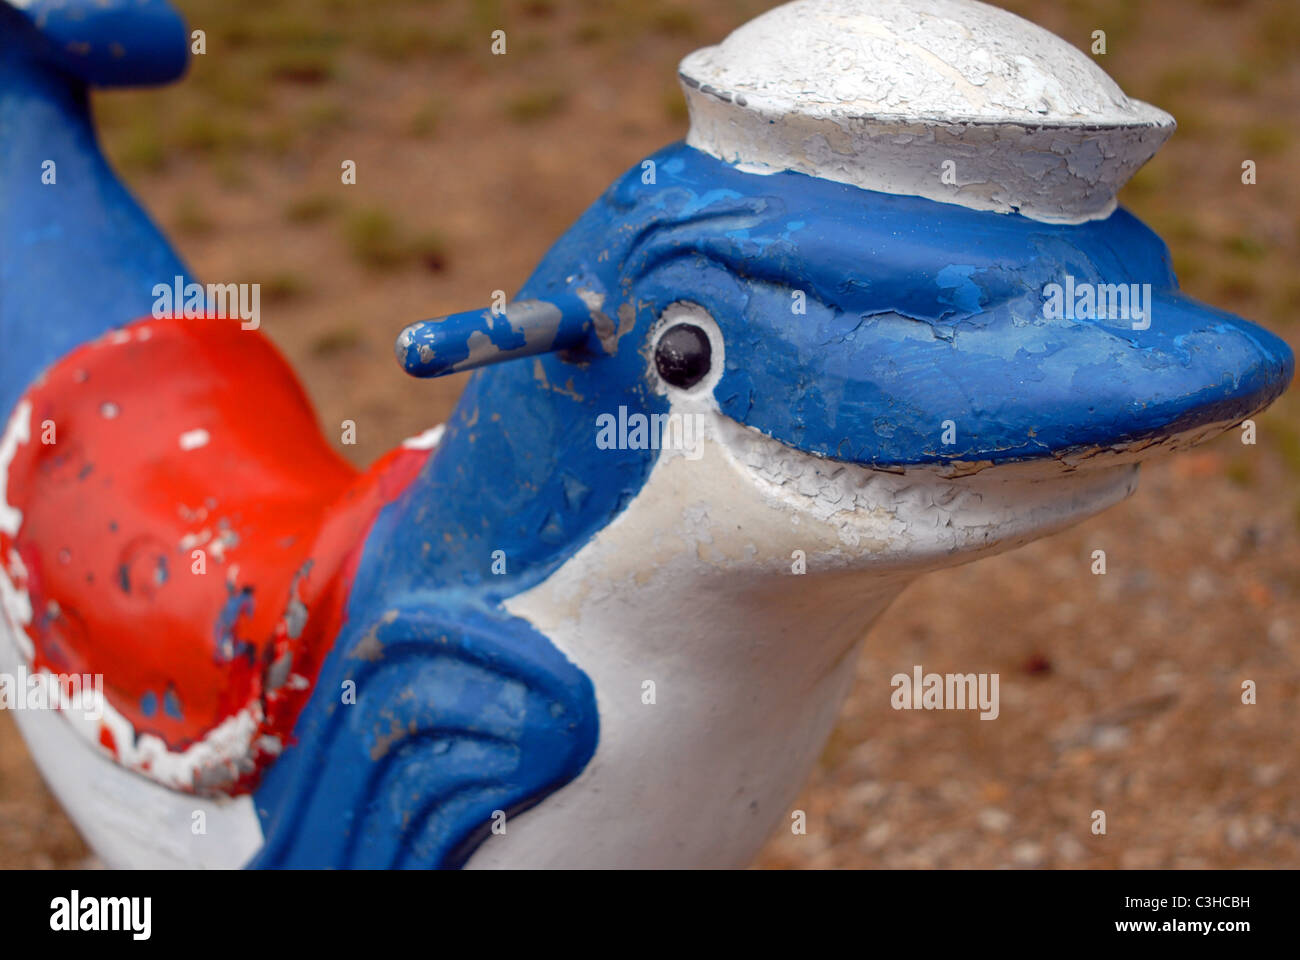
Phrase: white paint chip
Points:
(427, 440)
(15, 603)
(17, 432)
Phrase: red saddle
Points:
(187, 533)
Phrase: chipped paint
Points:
(466, 341)
(192, 710)
(709, 542)
(17, 431)
(827, 437)
(131, 821)
(427, 440)
(882, 94)
(15, 601)
(480, 688)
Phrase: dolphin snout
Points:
(1191, 368)
(1010, 385)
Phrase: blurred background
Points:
(1119, 692)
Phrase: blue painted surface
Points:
(495, 700)
(459, 712)
(77, 257)
(917, 313)
(463, 341)
(517, 471)
(111, 43)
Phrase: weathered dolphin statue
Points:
(878, 314)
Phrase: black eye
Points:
(683, 355)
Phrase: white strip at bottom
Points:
(131, 822)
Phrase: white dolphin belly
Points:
(692, 588)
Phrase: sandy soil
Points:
(1119, 692)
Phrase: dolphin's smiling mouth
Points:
(912, 516)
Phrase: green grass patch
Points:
(324, 116)
(191, 217)
(1243, 77)
(229, 169)
(674, 22)
(374, 239)
(675, 104)
(232, 87)
(1245, 247)
(1240, 471)
(283, 286)
(450, 43)
(426, 119)
(1188, 267)
(394, 42)
(1148, 181)
(535, 104)
(379, 242)
(1288, 303)
(1175, 227)
(336, 341)
(1277, 34)
(140, 146)
(1276, 429)
(310, 208)
(1266, 139)
(204, 130)
(590, 32)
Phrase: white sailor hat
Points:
(891, 95)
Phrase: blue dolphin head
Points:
(875, 329)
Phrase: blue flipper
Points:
(458, 714)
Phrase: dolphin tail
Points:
(78, 256)
(103, 43)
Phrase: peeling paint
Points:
(190, 709)
(882, 93)
(481, 687)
